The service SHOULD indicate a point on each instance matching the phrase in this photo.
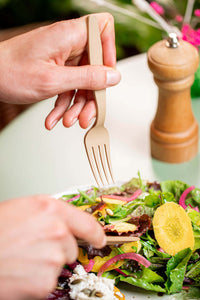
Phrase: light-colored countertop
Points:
(34, 160)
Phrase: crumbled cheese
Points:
(85, 286)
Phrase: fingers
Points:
(63, 78)
(38, 236)
(83, 109)
(61, 105)
(70, 221)
(75, 33)
(71, 116)
(87, 114)
(82, 225)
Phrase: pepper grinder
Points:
(174, 130)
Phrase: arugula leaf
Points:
(176, 268)
(142, 283)
(89, 199)
(194, 273)
(67, 197)
(148, 245)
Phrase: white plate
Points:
(131, 292)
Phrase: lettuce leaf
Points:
(177, 187)
(176, 269)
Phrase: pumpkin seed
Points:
(98, 294)
(87, 292)
(76, 281)
(92, 293)
(109, 212)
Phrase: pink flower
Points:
(158, 8)
(179, 18)
(197, 12)
(191, 35)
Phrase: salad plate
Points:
(152, 195)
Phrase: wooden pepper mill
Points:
(174, 130)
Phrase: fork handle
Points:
(96, 58)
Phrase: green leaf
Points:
(142, 284)
(152, 200)
(67, 197)
(136, 183)
(149, 246)
(175, 187)
(151, 276)
(194, 272)
(195, 217)
(176, 268)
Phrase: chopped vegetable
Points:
(183, 197)
(173, 228)
(89, 267)
(137, 257)
(135, 195)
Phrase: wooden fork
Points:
(113, 240)
(96, 140)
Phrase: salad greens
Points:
(152, 268)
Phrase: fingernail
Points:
(73, 121)
(90, 122)
(53, 124)
(113, 77)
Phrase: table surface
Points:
(34, 160)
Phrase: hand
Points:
(52, 60)
(36, 240)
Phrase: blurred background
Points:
(135, 30)
(132, 34)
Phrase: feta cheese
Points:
(85, 286)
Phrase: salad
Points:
(163, 217)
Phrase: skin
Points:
(52, 60)
(38, 233)
(37, 239)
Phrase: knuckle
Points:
(58, 258)
(109, 17)
(60, 26)
(73, 256)
(90, 227)
(94, 78)
(60, 230)
(43, 202)
(46, 79)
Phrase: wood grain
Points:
(174, 130)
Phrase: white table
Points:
(34, 160)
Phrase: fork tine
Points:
(90, 156)
(107, 151)
(102, 152)
(95, 151)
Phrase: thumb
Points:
(85, 77)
